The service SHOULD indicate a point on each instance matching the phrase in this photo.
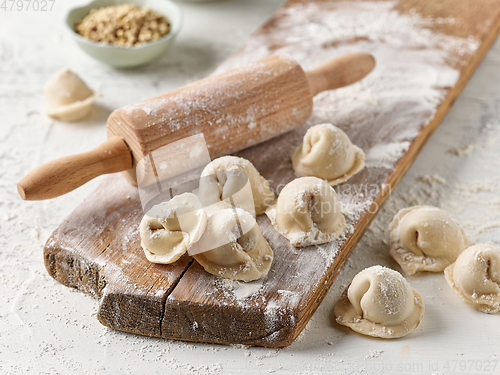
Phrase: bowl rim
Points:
(171, 34)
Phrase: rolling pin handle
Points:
(58, 177)
(340, 71)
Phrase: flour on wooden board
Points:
(410, 78)
(386, 155)
(238, 289)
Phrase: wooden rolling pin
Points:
(234, 110)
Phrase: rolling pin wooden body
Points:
(234, 110)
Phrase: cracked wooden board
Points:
(97, 248)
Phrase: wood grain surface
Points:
(97, 248)
(63, 175)
(234, 110)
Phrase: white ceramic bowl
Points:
(127, 57)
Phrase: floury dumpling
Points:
(232, 178)
(68, 97)
(425, 238)
(307, 212)
(233, 246)
(380, 303)
(328, 153)
(170, 228)
(475, 277)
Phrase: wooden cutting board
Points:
(426, 51)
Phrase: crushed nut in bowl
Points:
(125, 33)
(123, 25)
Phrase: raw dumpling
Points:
(226, 177)
(68, 97)
(475, 277)
(170, 228)
(425, 238)
(233, 246)
(307, 212)
(380, 303)
(327, 153)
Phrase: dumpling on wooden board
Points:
(233, 246)
(227, 178)
(307, 212)
(170, 228)
(328, 153)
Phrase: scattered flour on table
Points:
(374, 354)
(268, 354)
(239, 346)
(462, 150)
(432, 180)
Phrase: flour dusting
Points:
(411, 78)
(386, 155)
(240, 290)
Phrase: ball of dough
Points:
(380, 303)
(68, 97)
(425, 238)
(327, 153)
(307, 212)
(475, 277)
(227, 176)
(233, 246)
(170, 228)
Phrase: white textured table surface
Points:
(46, 328)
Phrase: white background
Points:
(46, 328)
